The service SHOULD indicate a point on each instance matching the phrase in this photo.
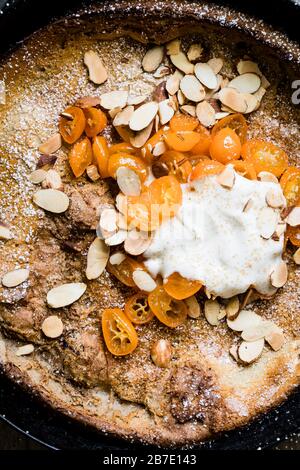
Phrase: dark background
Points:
(28, 414)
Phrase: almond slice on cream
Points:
(97, 259)
(227, 177)
(153, 58)
(248, 352)
(267, 221)
(267, 177)
(143, 116)
(274, 198)
(137, 242)
(136, 99)
(280, 275)
(188, 109)
(97, 71)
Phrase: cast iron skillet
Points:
(18, 19)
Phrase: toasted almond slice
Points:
(181, 98)
(296, 256)
(114, 99)
(206, 75)
(267, 221)
(2, 92)
(143, 280)
(246, 83)
(193, 307)
(113, 112)
(137, 242)
(141, 137)
(189, 109)
(136, 99)
(274, 198)
(250, 351)
(275, 338)
(212, 311)
(166, 112)
(248, 205)
(232, 308)
(251, 102)
(15, 278)
(194, 52)
(162, 71)
(51, 200)
(124, 116)
(265, 82)
(248, 66)
(117, 258)
(122, 222)
(92, 172)
(108, 220)
(52, 180)
(293, 218)
(5, 233)
(181, 61)
(37, 176)
(143, 116)
(87, 102)
(216, 64)
(173, 82)
(233, 351)
(221, 115)
(206, 114)
(222, 312)
(192, 88)
(65, 294)
(52, 145)
(117, 238)
(233, 99)
(128, 181)
(280, 275)
(280, 229)
(259, 94)
(227, 177)
(174, 102)
(121, 203)
(267, 177)
(255, 332)
(173, 47)
(97, 71)
(159, 149)
(244, 320)
(97, 258)
(25, 350)
(52, 327)
(153, 58)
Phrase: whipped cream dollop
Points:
(216, 237)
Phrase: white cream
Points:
(212, 239)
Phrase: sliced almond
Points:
(143, 280)
(206, 75)
(249, 204)
(181, 98)
(267, 177)
(2, 92)
(51, 200)
(114, 99)
(222, 312)
(117, 238)
(5, 233)
(250, 351)
(137, 242)
(275, 338)
(121, 203)
(113, 112)
(221, 115)
(52, 327)
(248, 66)
(280, 275)
(259, 94)
(233, 99)
(265, 82)
(37, 176)
(52, 145)
(246, 83)
(244, 320)
(128, 181)
(212, 311)
(173, 82)
(280, 229)
(173, 47)
(255, 332)
(165, 111)
(15, 278)
(65, 294)
(232, 308)
(141, 137)
(153, 58)
(193, 307)
(192, 88)
(108, 221)
(267, 221)
(194, 52)
(233, 351)
(296, 256)
(87, 102)
(206, 114)
(97, 259)
(122, 222)
(174, 102)
(25, 350)
(136, 99)
(93, 173)
(124, 116)
(159, 149)
(143, 116)
(162, 71)
(189, 109)
(251, 102)
(97, 71)
(181, 61)
(117, 258)
(293, 218)
(274, 198)
(216, 64)
(227, 177)
(52, 180)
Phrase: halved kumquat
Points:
(129, 161)
(118, 332)
(169, 311)
(183, 122)
(80, 156)
(236, 122)
(71, 128)
(182, 141)
(290, 183)
(181, 288)
(206, 168)
(225, 146)
(265, 156)
(101, 155)
(96, 121)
